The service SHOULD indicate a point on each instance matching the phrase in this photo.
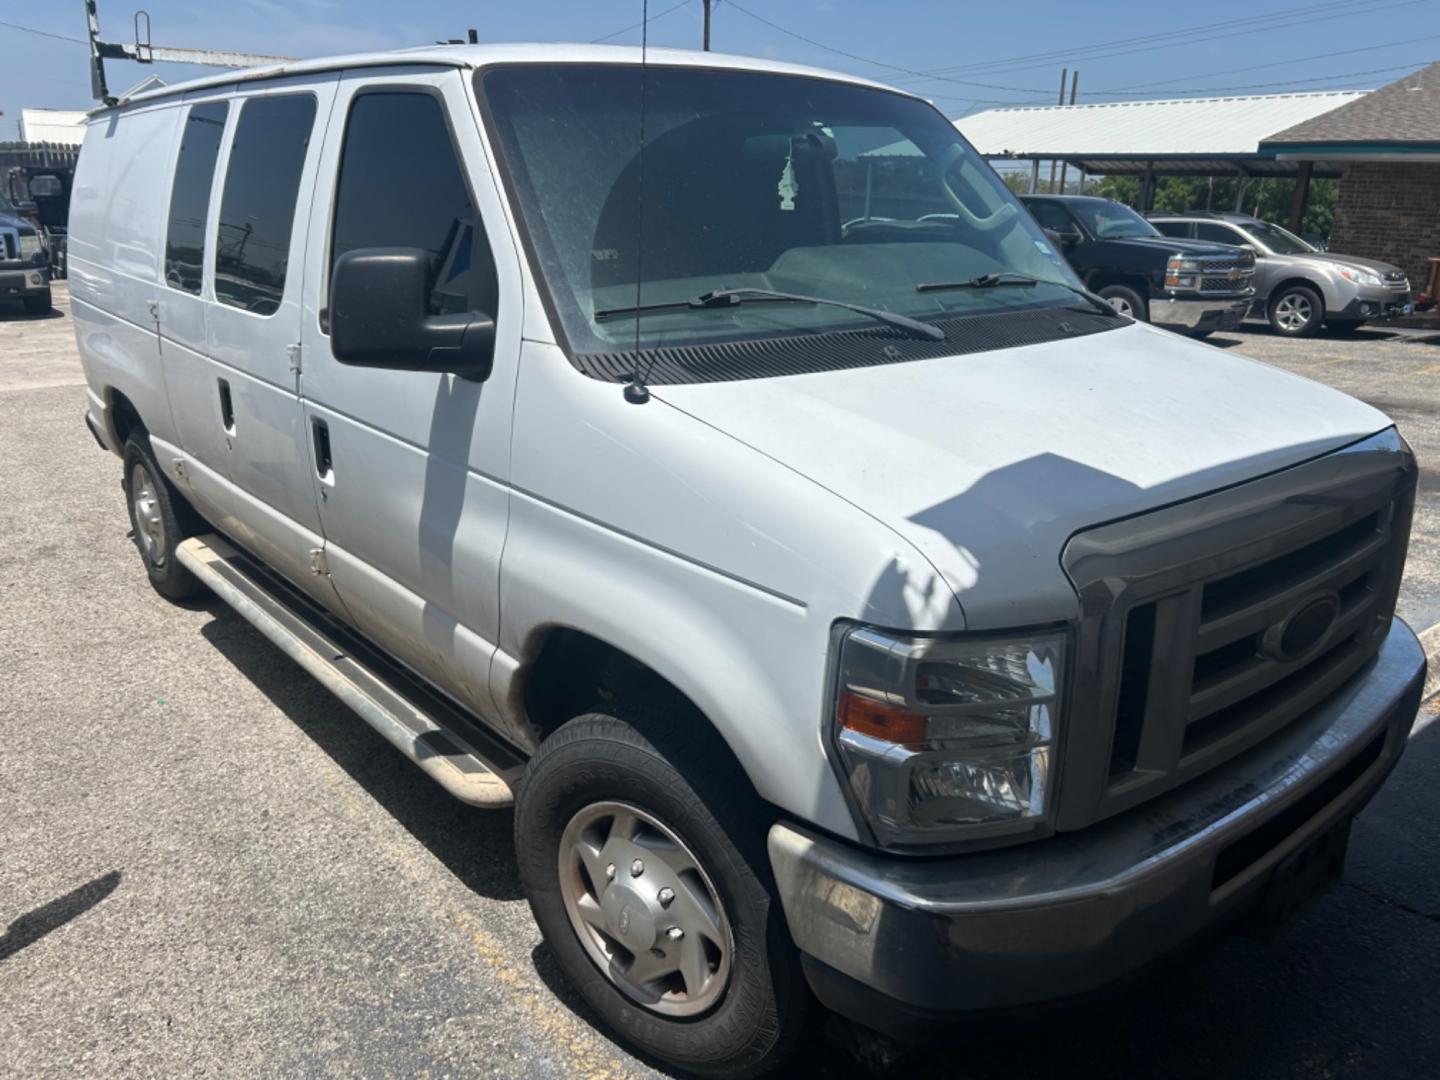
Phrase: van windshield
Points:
(751, 180)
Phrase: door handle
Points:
(227, 407)
(320, 432)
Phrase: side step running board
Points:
(410, 718)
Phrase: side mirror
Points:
(378, 318)
(1063, 240)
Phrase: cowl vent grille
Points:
(840, 350)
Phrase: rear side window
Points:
(1218, 234)
(257, 211)
(190, 194)
(401, 185)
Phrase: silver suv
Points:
(1298, 288)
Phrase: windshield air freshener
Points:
(788, 188)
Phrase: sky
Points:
(964, 54)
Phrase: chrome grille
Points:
(1226, 273)
(1186, 612)
(9, 244)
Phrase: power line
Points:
(42, 33)
(1249, 25)
(640, 24)
(1290, 82)
(880, 63)
(1258, 67)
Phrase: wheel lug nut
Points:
(610, 872)
(637, 868)
(675, 933)
(667, 896)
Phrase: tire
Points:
(1296, 311)
(661, 764)
(159, 519)
(1126, 301)
(39, 304)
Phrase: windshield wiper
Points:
(1010, 277)
(720, 298)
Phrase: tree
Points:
(1268, 198)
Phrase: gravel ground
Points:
(210, 867)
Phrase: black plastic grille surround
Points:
(800, 354)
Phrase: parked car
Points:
(1190, 286)
(24, 261)
(852, 609)
(1298, 288)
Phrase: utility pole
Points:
(1074, 85)
(707, 25)
(1064, 74)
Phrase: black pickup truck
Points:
(1185, 285)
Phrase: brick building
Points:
(1387, 145)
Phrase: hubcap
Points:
(149, 526)
(657, 928)
(1120, 304)
(1293, 311)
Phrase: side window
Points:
(190, 195)
(401, 185)
(1180, 229)
(1217, 234)
(1052, 216)
(257, 211)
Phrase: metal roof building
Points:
(1186, 137)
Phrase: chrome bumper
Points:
(1217, 314)
(1068, 915)
(30, 279)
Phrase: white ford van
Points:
(711, 457)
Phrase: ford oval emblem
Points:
(1303, 629)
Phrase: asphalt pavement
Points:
(209, 867)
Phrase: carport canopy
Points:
(1186, 137)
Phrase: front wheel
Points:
(650, 883)
(1296, 311)
(1126, 301)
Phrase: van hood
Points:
(988, 462)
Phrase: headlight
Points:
(1360, 277)
(31, 244)
(1181, 273)
(942, 739)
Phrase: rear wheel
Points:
(646, 872)
(159, 520)
(1126, 301)
(1296, 311)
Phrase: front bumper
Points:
(891, 942)
(1373, 303)
(31, 279)
(1199, 316)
